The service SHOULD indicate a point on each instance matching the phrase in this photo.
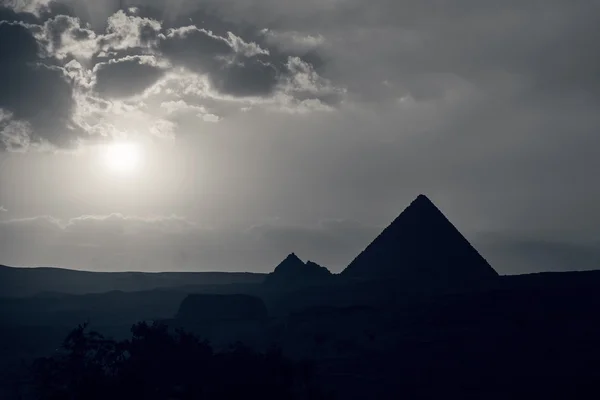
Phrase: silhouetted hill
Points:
(422, 246)
(292, 272)
(23, 282)
(574, 280)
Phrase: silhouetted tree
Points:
(159, 364)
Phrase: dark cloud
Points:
(127, 76)
(33, 11)
(234, 67)
(196, 49)
(32, 91)
(229, 69)
(17, 46)
(250, 77)
(10, 15)
(213, 19)
(54, 8)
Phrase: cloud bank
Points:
(47, 55)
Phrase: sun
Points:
(123, 157)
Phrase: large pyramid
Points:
(421, 246)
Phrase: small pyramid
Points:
(290, 263)
(422, 246)
(292, 272)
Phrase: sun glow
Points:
(123, 157)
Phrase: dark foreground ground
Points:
(528, 337)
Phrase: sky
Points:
(222, 135)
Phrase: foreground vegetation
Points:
(157, 363)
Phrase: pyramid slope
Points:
(421, 244)
(318, 269)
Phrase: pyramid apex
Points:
(422, 199)
(292, 256)
(290, 261)
(421, 204)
